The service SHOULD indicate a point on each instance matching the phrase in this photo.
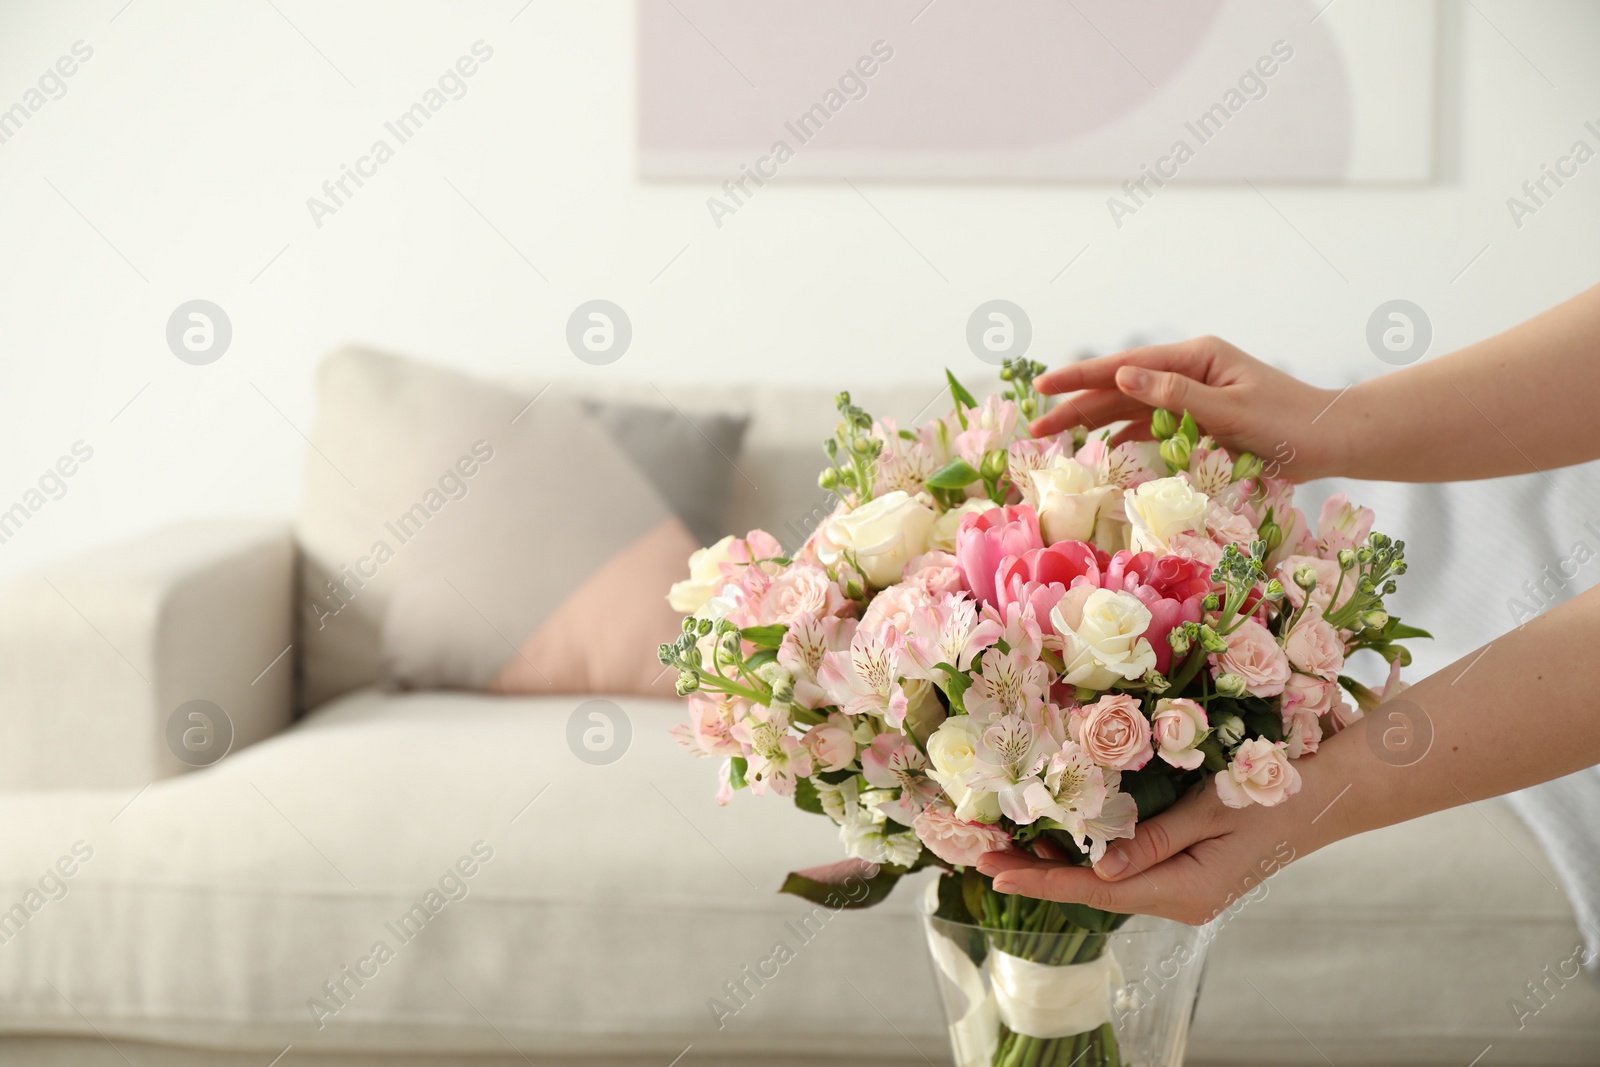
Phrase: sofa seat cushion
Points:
(526, 891)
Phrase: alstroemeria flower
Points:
(1009, 759)
(776, 757)
(949, 632)
(866, 679)
(801, 653)
(1009, 684)
(1072, 790)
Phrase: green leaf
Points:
(1152, 790)
(956, 474)
(1392, 653)
(974, 887)
(955, 688)
(849, 884)
(1366, 699)
(1189, 430)
(1087, 918)
(806, 797)
(737, 765)
(1268, 724)
(760, 659)
(1395, 630)
(959, 391)
(765, 636)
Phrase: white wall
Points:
(193, 136)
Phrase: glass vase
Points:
(1073, 997)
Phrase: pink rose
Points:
(1229, 527)
(935, 573)
(955, 841)
(800, 590)
(1303, 692)
(1197, 547)
(1259, 774)
(1253, 654)
(1177, 727)
(894, 608)
(831, 744)
(1302, 732)
(1314, 647)
(1113, 731)
(1327, 571)
(986, 539)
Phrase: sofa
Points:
(537, 902)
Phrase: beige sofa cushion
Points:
(459, 534)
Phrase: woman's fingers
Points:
(1175, 392)
(1019, 873)
(1156, 840)
(1094, 409)
(1101, 372)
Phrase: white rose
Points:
(952, 750)
(942, 536)
(884, 534)
(1069, 501)
(1103, 637)
(1161, 508)
(705, 578)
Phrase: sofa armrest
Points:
(99, 650)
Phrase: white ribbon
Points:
(1035, 999)
(1040, 1000)
(976, 1034)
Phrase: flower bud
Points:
(1163, 424)
(1230, 685)
(1155, 681)
(1230, 730)
(1175, 450)
(1306, 577)
(1212, 641)
(1179, 641)
(1347, 558)
(1375, 619)
(688, 682)
(829, 478)
(1248, 465)
(666, 653)
(1271, 535)
(994, 464)
(1274, 590)
(1210, 602)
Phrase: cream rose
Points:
(1068, 500)
(884, 534)
(942, 536)
(1253, 654)
(1113, 732)
(705, 578)
(952, 750)
(1102, 637)
(1160, 508)
(1259, 774)
(1179, 725)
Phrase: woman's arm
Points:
(1517, 712)
(1522, 400)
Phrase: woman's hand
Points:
(1190, 863)
(1245, 404)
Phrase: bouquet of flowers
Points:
(997, 640)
